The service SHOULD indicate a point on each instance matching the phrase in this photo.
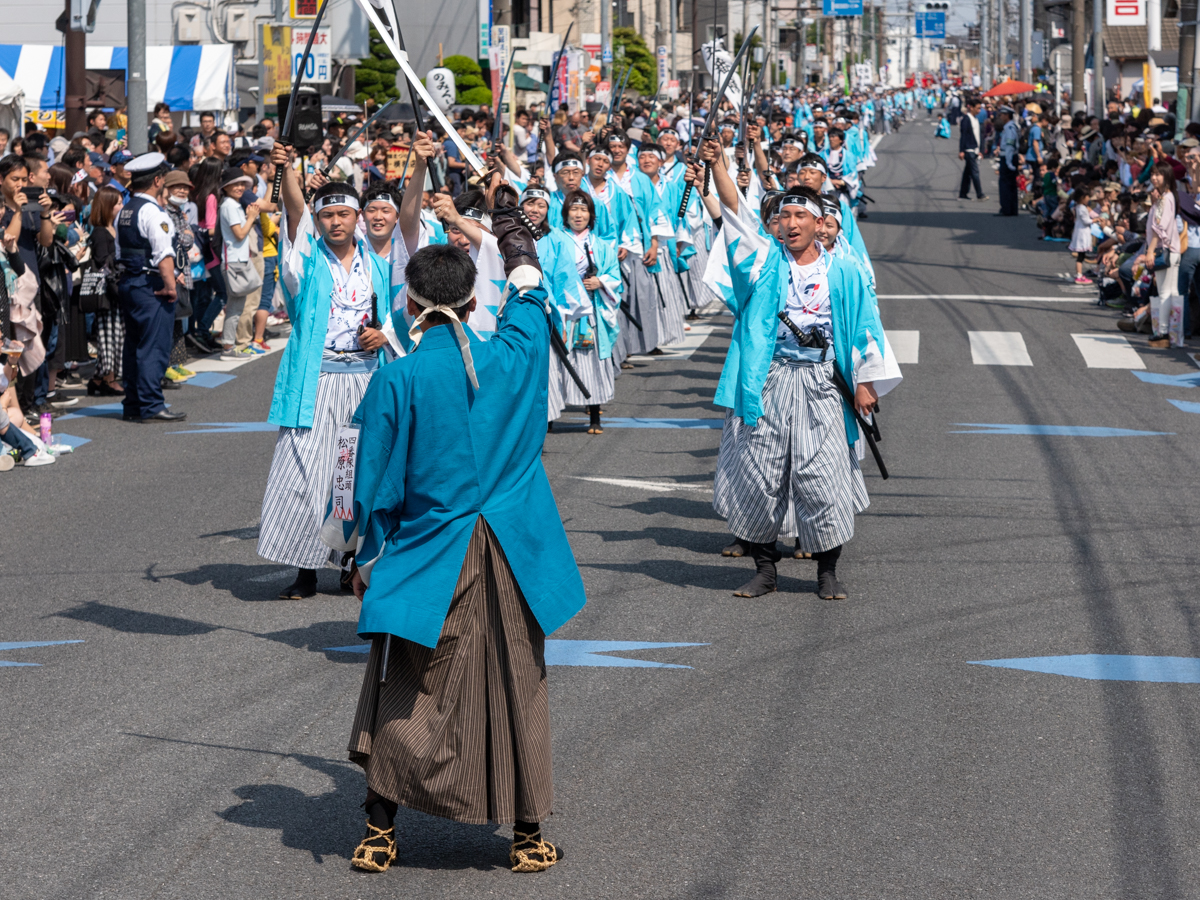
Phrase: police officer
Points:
(146, 287)
(1010, 140)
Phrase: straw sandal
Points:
(371, 856)
(532, 854)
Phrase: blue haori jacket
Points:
(434, 454)
(307, 287)
(759, 274)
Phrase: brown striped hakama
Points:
(462, 730)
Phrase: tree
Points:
(468, 81)
(755, 41)
(375, 76)
(643, 78)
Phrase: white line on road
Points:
(1107, 351)
(998, 348)
(646, 485)
(691, 343)
(990, 297)
(905, 345)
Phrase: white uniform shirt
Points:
(155, 225)
(350, 304)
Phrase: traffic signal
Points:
(933, 7)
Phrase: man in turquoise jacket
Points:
(463, 565)
(337, 293)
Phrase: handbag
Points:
(241, 278)
(96, 290)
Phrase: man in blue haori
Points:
(463, 565)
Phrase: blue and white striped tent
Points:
(193, 77)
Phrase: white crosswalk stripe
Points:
(998, 348)
(1107, 351)
(906, 346)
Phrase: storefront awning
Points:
(194, 77)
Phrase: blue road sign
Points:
(842, 7)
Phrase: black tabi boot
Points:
(737, 548)
(594, 419)
(828, 587)
(765, 556)
(303, 587)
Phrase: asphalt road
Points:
(193, 745)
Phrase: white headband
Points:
(384, 198)
(569, 163)
(802, 203)
(599, 152)
(535, 194)
(659, 153)
(334, 200)
(815, 166)
(464, 345)
(834, 210)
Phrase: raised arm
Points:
(711, 153)
(410, 206)
(293, 197)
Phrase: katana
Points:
(711, 117)
(385, 34)
(285, 135)
(354, 137)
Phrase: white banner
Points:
(1125, 12)
(723, 63)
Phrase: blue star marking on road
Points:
(1056, 430)
(1187, 380)
(582, 653)
(25, 645)
(1108, 667)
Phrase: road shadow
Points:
(675, 506)
(252, 584)
(133, 621)
(726, 576)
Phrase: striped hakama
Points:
(643, 300)
(554, 393)
(462, 730)
(699, 294)
(674, 306)
(594, 372)
(298, 487)
(793, 473)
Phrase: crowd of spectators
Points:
(1120, 192)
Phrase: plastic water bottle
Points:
(45, 420)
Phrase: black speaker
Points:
(307, 128)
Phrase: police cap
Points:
(147, 165)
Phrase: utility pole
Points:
(135, 91)
(74, 51)
(1078, 46)
(985, 44)
(606, 39)
(1153, 43)
(1026, 40)
(1186, 99)
(1098, 59)
(1001, 35)
(674, 28)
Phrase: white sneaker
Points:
(234, 353)
(41, 458)
(6, 462)
(62, 401)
